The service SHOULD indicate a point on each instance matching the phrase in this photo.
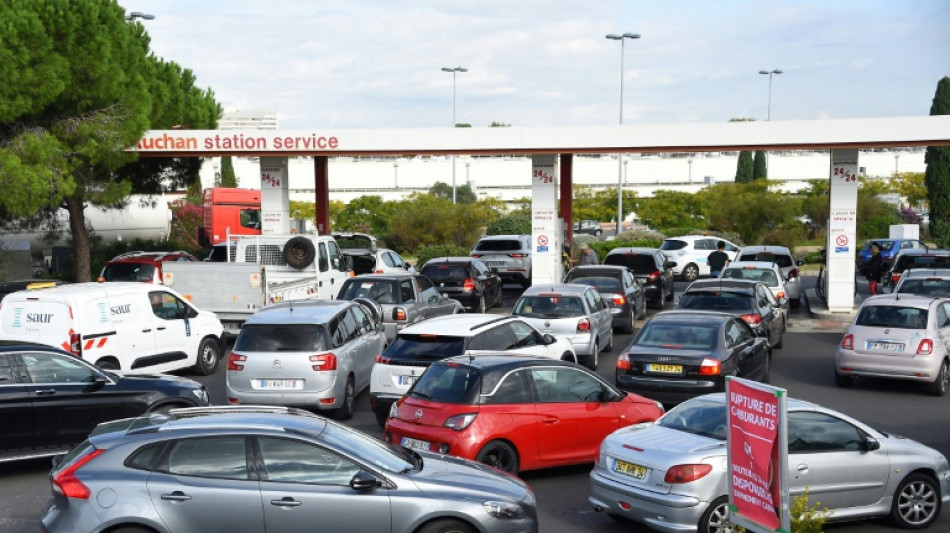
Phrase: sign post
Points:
(842, 245)
(758, 456)
(545, 235)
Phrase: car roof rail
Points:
(489, 322)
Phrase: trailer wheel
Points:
(299, 252)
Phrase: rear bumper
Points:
(669, 391)
(905, 367)
(669, 513)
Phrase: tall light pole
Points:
(690, 162)
(896, 159)
(396, 175)
(454, 71)
(621, 38)
(769, 73)
(139, 15)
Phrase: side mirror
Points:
(799, 263)
(363, 481)
(346, 263)
(871, 444)
(407, 266)
(57, 459)
(669, 264)
(549, 339)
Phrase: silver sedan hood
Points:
(446, 474)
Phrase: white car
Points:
(418, 345)
(782, 257)
(768, 273)
(691, 254)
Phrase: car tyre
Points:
(447, 525)
(669, 297)
(716, 517)
(939, 385)
(299, 252)
(128, 529)
(690, 273)
(209, 353)
(916, 502)
(593, 358)
(500, 455)
(610, 342)
(345, 411)
(108, 364)
(568, 356)
(627, 328)
(796, 303)
(843, 381)
(381, 418)
(481, 304)
(781, 341)
(767, 368)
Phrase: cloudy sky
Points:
(377, 63)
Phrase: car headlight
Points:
(201, 393)
(504, 510)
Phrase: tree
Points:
(749, 210)
(463, 193)
(745, 168)
(366, 214)
(759, 169)
(911, 186)
(228, 179)
(937, 175)
(495, 124)
(672, 209)
(87, 88)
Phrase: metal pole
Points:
(620, 156)
(454, 72)
(768, 116)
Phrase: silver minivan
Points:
(316, 354)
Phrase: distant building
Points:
(248, 119)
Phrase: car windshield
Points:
(642, 264)
(368, 449)
(923, 261)
(767, 277)
(673, 244)
(549, 307)
(381, 290)
(716, 301)
(426, 348)
(602, 284)
(129, 272)
(281, 338)
(779, 259)
(677, 336)
(926, 287)
(448, 383)
(498, 245)
(889, 316)
(700, 417)
(443, 272)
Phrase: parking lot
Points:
(804, 366)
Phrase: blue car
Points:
(889, 248)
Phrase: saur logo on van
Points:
(103, 317)
(39, 318)
(123, 309)
(17, 312)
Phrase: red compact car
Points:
(513, 412)
(141, 266)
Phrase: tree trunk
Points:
(77, 228)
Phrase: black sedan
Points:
(681, 354)
(751, 301)
(467, 280)
(651, 268)
(624, 296)
(50, 400)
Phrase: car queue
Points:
(448, 401)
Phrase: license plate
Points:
(232, 327)
(886, 346)
(495, 263)
(414, 444)
(665, 369)
(407, 380)
(280, 384)
(630, 469)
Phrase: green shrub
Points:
(438, 250)
(787, 236)
(518, 223)
(805, 518)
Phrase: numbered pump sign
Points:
(758, 456)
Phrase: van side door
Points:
(174, 338)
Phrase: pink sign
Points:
(753, 437)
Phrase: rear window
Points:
(281, 338)
(424, 348)
(755, 274)
(354, 242)
(549, 307)
(129, 272)
(446, 272)
(716, 301)
(448, 383)
(886, 246)
(673, 244)
(383, 291)
(642, 264)
(601, 283)
(939, 288)
(779, 259)
(677, 336)
(498, 245)
(922, 261)
(889, 316)
(699, 416)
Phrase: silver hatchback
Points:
(313, 354)
(252, 469)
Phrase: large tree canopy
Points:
(80, 87)
(937, 175)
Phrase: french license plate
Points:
(886, 346)
(232, 327)
(495, 263)
(280, 384)
(407, 380)
(414, 444)
(665, 369)
(630, 469)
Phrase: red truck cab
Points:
(229, 211)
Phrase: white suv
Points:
(691, 253)
(418, 345)
(509, 256)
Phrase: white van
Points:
(126, 326)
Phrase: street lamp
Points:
(396, 175)
(896, 158)
(625, 161)
(690, 162)
(139, 15)
(454, 71)
(770, 72)
(621, 38)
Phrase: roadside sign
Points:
(758, 456)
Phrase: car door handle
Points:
(802, 468)
(286, 501)
(177, 496)
(160, 328)
(45, 392)
(146, 330)
(551, 420)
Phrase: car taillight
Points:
(623, 362)
(460, 422)
(234, 361)
(752, 319)
(75, 344)
(926, 347)
(469, 285)
(476, 255)
(686, 473)
(848, 342)
(780, 294)
(379, 272)
(399, 313)
(793, 273)
(710, 367)
(382, 359)
(583, 324)
(324, 361)
(895, 278)
(66, 482)
(618, 299)
(655, 275)
(517, 255)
